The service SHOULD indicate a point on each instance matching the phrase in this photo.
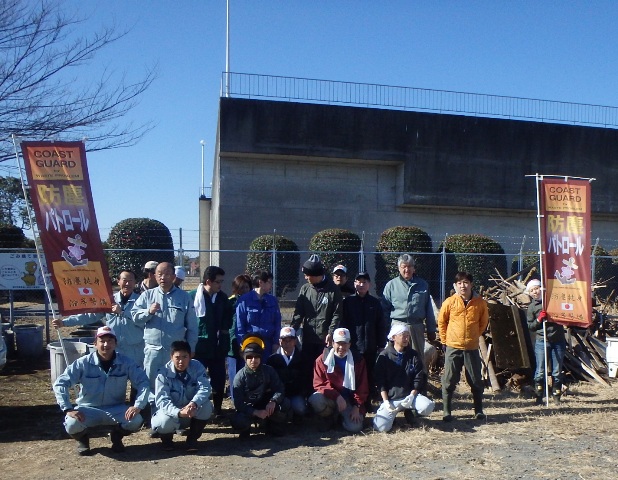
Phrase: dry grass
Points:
(519, 440)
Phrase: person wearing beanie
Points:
(318, 308)
(556, 344)
(340, 384)
(258, 393)
(400, 378)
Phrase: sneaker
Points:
(244, 435)
(480, 416)
(116, 438)
(447, 418)
(154, 434)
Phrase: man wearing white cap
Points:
(340, 278)
(103, 377)
(400, 377)
(150, 280)
(294, 370)
(340, 384)
(180, 276)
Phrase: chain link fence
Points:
(438, 269)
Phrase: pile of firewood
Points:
(586, 348)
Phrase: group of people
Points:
(345, 353)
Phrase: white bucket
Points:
(56, 357)
(611, 356)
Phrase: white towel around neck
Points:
(349, 379)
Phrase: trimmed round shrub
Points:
(482, 267)
(402, 240)
(288, 262)
(332, 244)
(144, 239)
(530, 259)
(12, 236)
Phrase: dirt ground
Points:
(575, 440)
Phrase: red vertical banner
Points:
(565, 241)
(60, 190)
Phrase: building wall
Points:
(301, 168)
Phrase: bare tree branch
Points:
(39, 100)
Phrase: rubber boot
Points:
(83, 442)
(167, 441)
(447, 399)
(195, 432)
(478, 405)
(217, 402)
(556, 392)
(116, 437)
(539, 391)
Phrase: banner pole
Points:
(538, 217)
(37, 245)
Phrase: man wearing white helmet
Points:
(400, 377)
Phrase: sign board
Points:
(20, 271)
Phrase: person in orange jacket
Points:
(462, 320)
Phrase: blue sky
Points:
(537, 49)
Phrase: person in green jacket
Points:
(214, 313)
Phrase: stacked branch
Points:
(586, 352)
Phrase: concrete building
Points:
(301, 167)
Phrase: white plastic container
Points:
(611, 356)
(57, 364)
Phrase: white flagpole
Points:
(227, 49)
(541, 253)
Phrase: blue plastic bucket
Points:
(29, 340)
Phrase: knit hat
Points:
(313, 267)
(532, 283)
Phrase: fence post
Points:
(361, 254)
(521, 256)
(180, 261)
(443, 270)
(593, 263)
(273, 262)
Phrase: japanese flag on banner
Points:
(565, 241)
(60, 189)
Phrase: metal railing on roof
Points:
(309, 90)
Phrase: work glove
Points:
(408, 401)
(542, 316)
